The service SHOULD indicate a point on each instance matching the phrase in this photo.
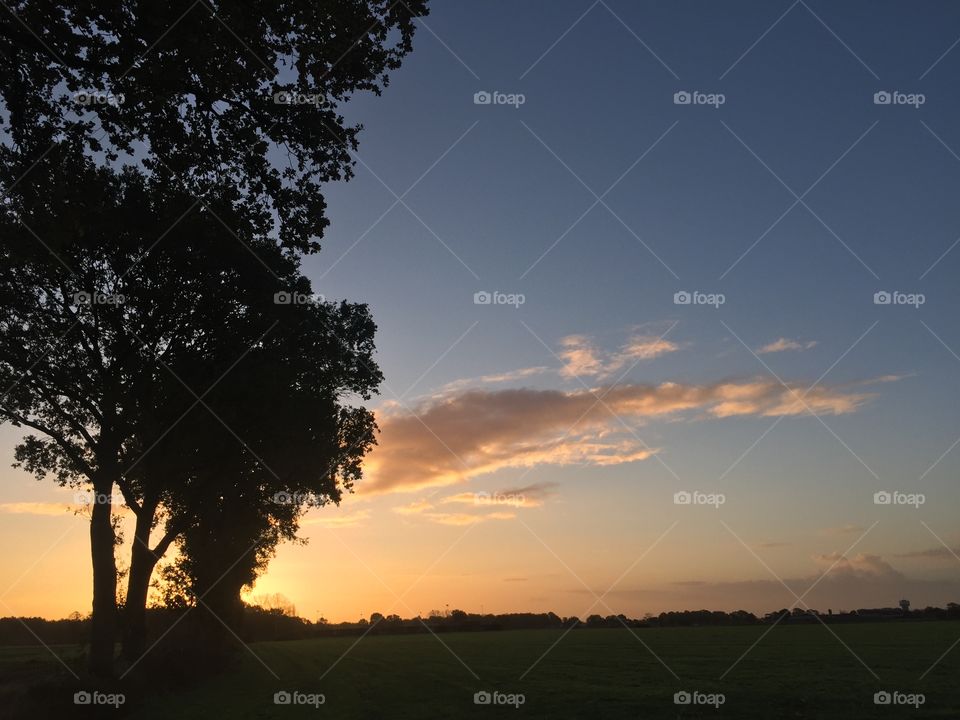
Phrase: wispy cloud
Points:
(844, 530)
(484, 505)
(528, 496)
(428, 511)
(786, 344)
(935, 553)
(38, 508)
(455, 438)
(331, 518)
(494, 379)
(583, 358)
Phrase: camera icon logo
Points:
(682, 498)
(482, 698)
(882, 498)
(682, 698)
(283, 498)
(682, 298)
(283, 298)
(882, 98)
(282, 698)
(882, 698)
(682, 97)
(82, 698)
(482, 98)
(482, 298)
(882, 297)
(282, 97)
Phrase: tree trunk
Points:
(103, 618)
(142, 562)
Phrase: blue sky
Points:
(703, 199)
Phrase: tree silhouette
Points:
(230, 113)
(283, 440)
(142, 368)
(204, 93)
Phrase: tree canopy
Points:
(162, 167)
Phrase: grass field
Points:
(793, 672)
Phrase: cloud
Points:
(38, 508)
(495, 379)
(527, 497)
(340, 520)
(844, 530)
(414, 508)
(935, 553)
(449, 440)
(428, 511)
(864, 581)
(496, 505)
(862, 566)
(785, 344)
(581, 357)
(466, 518)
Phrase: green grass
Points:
(793, 672)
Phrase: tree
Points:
(139, 334)
(277, 603)
(205, 93)
(205, 113)
(283, 440)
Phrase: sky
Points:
(536, 450)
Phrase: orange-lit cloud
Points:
(452, 439)
(582, 358)
(336, 518)
(785, 344)
(526, 497)
(37, 508)
(428, 511)
(495, 379)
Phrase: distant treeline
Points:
(258, 624)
